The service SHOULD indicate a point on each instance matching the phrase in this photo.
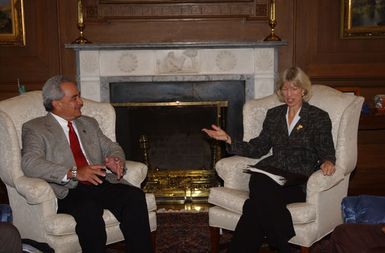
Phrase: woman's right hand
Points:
(217, 133)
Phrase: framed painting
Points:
(12, 23)
(362, 18)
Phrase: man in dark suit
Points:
(71, 153)
(300, 138)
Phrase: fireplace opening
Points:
(232, 91)
(159, 123)
(167, 137)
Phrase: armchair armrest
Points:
(34, 190)
(136, 173)
(230, 169)
(318, 182)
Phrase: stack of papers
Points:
(277, 178)
(281, 177)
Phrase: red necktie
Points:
(79, 157)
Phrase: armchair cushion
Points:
(318, 182)
(233, 200)
(302, 213)
(64, 224)
(136, 173)
(34, 190)
(230, 169)
(227, 198)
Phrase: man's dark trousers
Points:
(128, 204)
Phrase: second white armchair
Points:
(321, 212)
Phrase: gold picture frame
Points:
(362, 19)
(12, 32)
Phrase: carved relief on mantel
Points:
(226, 60)
(128, 62)
(161, 9)
(177, 61)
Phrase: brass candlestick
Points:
(272, 23)
(81, 39)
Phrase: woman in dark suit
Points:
(300, 137)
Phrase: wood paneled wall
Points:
(51, 24)
(39, 58)
(312, 29)
(334, 61)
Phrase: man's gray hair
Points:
(52, 90)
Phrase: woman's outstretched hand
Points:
(217, 133)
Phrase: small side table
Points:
(369, 175)
(372, 121)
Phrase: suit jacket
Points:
(309, 144)
(47, 154)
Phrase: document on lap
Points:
(281, 177)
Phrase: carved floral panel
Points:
(177, 9)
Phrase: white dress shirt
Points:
(64, 125)
(293, 122)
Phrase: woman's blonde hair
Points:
(300, 80)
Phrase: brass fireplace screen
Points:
(167, 137)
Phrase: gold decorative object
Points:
(272, 23)
(81, 39)
(144, 144)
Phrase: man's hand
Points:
(328, 168)
(217, 133)
(116, 165)
(91, 173)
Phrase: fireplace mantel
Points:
(230, 72)
(100, 64)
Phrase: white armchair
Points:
(32, 200)
(321, 212)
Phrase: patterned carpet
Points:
(188, 232)
(180, 232)
(183, 232)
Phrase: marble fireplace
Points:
(103, 67)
